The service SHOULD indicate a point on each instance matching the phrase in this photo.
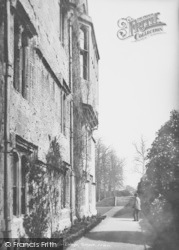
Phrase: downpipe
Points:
(71, 124)
(8, 69)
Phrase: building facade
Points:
(85, 81)
(42, 68)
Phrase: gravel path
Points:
(117, 232)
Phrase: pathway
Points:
(117, 232)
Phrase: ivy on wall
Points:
(43, 192)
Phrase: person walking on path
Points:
(137, 207)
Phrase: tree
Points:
(101, 168)
(115, 171)
(163, 156)
(109, 171)
(130, 189)
(140, 156)
(159, 188)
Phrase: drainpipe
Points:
(71, 124)
(8, 70)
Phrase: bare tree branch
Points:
(140, 157)
(109, 170)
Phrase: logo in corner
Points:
(140, 28)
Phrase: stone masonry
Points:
(40, 79)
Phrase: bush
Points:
(159, 188)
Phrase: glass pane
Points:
(23, 184)
(14, 201)
(85, 68)
(23, 200)
(23, 171)
(14, 170)
(81, 66)
(82, 39)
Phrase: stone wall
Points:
(44, 14)
(85, 91)
(38, 117)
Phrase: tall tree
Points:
(109, 170)
(101, 168)
(159, 187)
(140, 156)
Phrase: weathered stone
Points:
(40, 97)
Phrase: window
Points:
(19, 184)
(82, 39)
(62, 23)
(84, 52)
(65, 188)
(20, 57)
(63, 191)
(15, 183)
(89, 146)
(63, 113)
(23, 184)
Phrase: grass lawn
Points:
(103, 210)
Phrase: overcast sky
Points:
(138, 80)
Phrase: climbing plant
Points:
(43, 192)
(78, 138)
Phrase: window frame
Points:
(21, 41)
(23, 183)
(20, 208)
(62, 23)
(63, 191)
(63, 111)
(22, 150)
(84, 52)
(15, 186)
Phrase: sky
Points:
(138, 80)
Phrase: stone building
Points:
(85, 82)
(48, 68)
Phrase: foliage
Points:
(36, 222)
(124, 192)
(81, 131)
(43, 193)
(131, 189)
(159, 187)
(78, 229)
(109, 171)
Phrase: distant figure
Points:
(137, 207)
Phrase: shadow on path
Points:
(121, 236)
(126, 212)
(136, 238)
